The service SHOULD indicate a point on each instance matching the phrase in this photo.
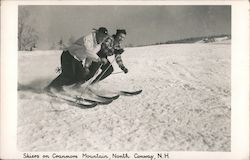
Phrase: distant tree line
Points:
(206, 39)
(196, 39)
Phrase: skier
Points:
(111, 46)
(73, 57)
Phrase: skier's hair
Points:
(123, 31)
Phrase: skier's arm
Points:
(119, 61)
(87, 63)
(107, 47)
(92, 54)
(90, 49)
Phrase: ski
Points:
(109, 98)
(105, 102)
(104, 97)
(117, 93)
(130, 93)
(74, 101)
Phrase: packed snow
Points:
(185, 104)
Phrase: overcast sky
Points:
(144, 24)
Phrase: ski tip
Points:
(116, 97)
(87, 106)
(130, 93)
(139, 91)
(99, 102)
(109, 98)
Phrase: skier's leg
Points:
(67, 76)
(80, 73)
(107, 69)
(92, 70)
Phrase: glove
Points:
(86, 70)
(100, 60)
(103, 60)
(118, 51)
(125, 70)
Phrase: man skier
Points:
(111, 46)
(72, 59)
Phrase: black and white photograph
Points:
(124, 78)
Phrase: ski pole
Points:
(105, 70)
(91, 80)
(118, 72)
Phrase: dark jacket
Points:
(111, 47)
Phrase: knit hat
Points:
(103, 30)
(118, 31)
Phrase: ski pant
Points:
(72, 71)
(107, 69)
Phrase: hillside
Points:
(185, 104)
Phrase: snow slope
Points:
(184, 106)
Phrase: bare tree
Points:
(61, 44)
(27, 35)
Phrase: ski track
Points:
(184, 106)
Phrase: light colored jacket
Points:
(85, 47)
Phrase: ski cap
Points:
(102, 30)
(123, 31)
